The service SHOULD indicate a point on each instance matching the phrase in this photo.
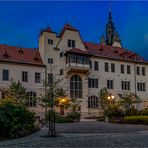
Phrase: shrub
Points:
(114, 111)
(59, 118)
(136, 119)
(144, 112)
(15, 120)
(74, 115)
(131, 112)
(64, 120)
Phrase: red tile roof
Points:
(67, 27)
(111, 52)
(20, 55)
(76, 50)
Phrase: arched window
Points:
(76, 87)
(92, 102)
(31, 98)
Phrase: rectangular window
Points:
(5, 75)
(50, 61)
(71, 43)
(24, 76)
(50, 42)
(61, 71)
(96, 65)
(138, 70)
(122, 68)
(50, 78)
(112, 67)
(141, 86)
(110, 84)
(143, 71)
(37, 77)
(61, 54)
(90, 63)
(106, 67)
(125, 85)
(128, 69)
(92, 83)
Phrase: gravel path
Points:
(86, 134)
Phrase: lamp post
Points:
(62, 103)
(111, 98)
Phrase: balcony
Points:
(77, 63)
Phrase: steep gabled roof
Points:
(67, 27)
(20, 55)
(48, 29)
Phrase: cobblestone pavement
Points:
(86, 134)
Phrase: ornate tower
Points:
(103, 40)
(110, 29)
(116, 40)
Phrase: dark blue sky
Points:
(21, 22)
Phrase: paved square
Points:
(87, 134)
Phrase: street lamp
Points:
(111, 98)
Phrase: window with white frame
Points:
(92, 102)
(122, 68)
(24, 76)
(92, 83)
(128, 69)
(50, 41)
(75, 87)
(5, 75)
(112, 67)
(71, 43)
(31, 98)
(125, 85)
(143, 71)
(110, 84)
(141, 86)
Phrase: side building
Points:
(24, 65)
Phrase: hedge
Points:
(136, 119)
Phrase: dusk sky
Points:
(21, 22)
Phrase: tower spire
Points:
(110, 29)
(110, 12)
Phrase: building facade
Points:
(83, 67)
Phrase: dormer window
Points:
(5, 55)
(50, 42)
(71, 43)
(20, 51)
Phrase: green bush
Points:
(114, 111)
(59, 118)
(144, 112)
(136, 119)
(74, 115)
(131, 112)
(64, 120)
(15, 120)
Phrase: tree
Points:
(128, 100)
(16, 91)
(104, 102)
(49, 100)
